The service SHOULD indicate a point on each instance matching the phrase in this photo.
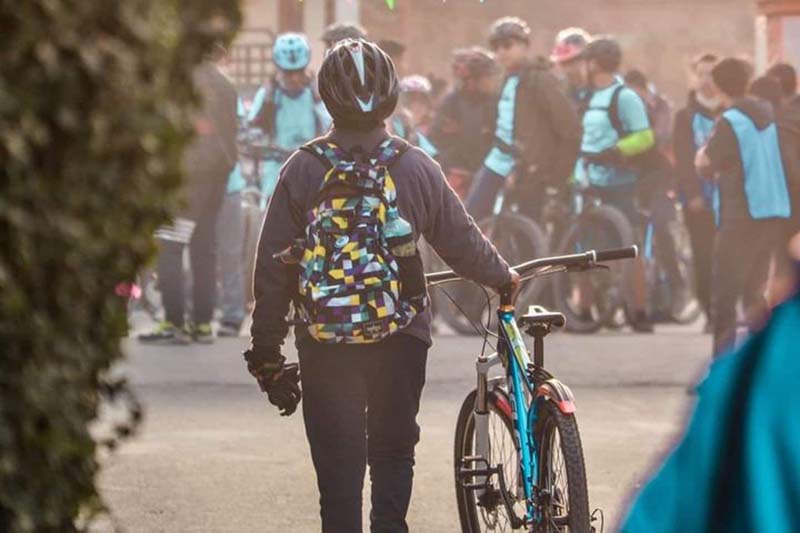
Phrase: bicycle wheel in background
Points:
(518, 239)
(488, 512)
(685, 305)
(592, 300)
(563, 491)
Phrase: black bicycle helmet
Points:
(605, 51)
(508, 28)
(339, 31)
(358, 83)
(474, 62)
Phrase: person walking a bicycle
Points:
(537, 132)
(616, 130)
(339, 242)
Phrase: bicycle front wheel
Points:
(563, 492)
(485, 510)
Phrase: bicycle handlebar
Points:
(581, 261)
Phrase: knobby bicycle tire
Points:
(603, 216)
(470, 515)
(518, 239)
(552, 422)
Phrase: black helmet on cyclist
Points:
(339, 31)
(605, 51)
(475, 62)
(509, 28)
(358, 83)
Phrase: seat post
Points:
(539, 334)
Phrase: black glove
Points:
(279, 381)
(611, 157)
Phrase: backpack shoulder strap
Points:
(389, 151)
(327, 152)
(613, 111)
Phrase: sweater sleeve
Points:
(455, 236)
(274, 283)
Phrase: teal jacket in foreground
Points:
(737, 468)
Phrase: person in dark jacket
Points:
(209, 160)
(692, 128)
(537, 133)
(463, 127)
(744, 155)
(344, 382)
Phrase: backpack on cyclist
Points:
(350, 279)
(650, 166)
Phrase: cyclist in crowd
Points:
(692, 128)
(567, 49)
(342, 382)
(784, 279)
(209, 161)
(339, 31)
(416, 97)
(288, 111)
(744, 155)
(397, 51)
(463, 127)
(616, 130)
(537, 132)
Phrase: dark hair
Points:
(395, 49)
(705, 57)
(786, 76)
(636, 78)
(732, 75)
(769, 89)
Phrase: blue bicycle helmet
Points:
(291, 51)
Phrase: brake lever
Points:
(593, 266)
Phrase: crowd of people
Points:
(348, 202)
(515, 120)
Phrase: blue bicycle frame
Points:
(515, 353)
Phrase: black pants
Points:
(204, 202)
(360, 404)
(743, 253)
(702, 230)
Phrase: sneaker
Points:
(165, 333)
(227, 329)
(203, 333)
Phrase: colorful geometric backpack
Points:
(349, 280)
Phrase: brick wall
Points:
(658, 36)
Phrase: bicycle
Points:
(591, 303)
(516, 238)
(518, 456)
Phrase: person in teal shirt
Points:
(616, 130)
(288, 111)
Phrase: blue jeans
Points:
(230, 235)
(483, 194)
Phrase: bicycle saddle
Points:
(539, 317)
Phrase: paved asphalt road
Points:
(213, 455)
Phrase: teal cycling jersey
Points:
(415, 137)
(298, 118)
(499, 161)
(599, 133)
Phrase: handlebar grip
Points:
(629, 252)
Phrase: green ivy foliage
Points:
(95, 110)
